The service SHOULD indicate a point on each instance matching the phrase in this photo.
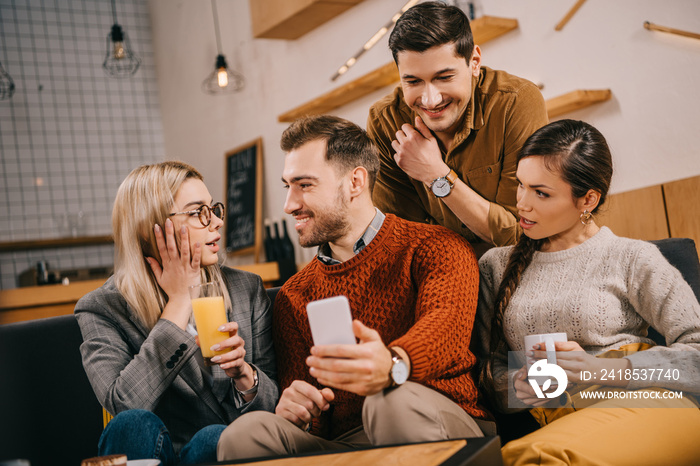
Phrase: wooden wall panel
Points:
(683, 208)
(638, 214)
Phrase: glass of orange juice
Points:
(209, 314)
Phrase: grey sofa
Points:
(49, 413)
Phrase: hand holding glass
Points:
(209, 314)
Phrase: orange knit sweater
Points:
(417, 285)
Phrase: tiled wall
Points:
(70, 133)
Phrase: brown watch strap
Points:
(452, 177)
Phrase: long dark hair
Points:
(580, 154)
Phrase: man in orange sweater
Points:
(412, 290)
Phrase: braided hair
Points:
(580, 154)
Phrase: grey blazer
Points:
(131, 368)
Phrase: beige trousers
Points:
(407, 414)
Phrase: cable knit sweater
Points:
(417, 285)
(603, 293)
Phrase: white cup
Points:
(548, 339)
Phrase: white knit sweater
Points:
(603, 293)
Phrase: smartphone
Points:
(330, 321)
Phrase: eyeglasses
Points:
(204, 213)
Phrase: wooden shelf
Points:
(484, 29)
(576, 100)
(54, 243)
(36, 302)
(291, 19)
(560, 25)
(487, 28)
(377, 79)
(656, 27)
(268, 271)
(35, 296)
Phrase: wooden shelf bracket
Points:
(560, 25)
(656, 27)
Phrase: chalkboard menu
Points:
(244, 200)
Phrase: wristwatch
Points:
(399, 370)
(442, 186)
(251, 390)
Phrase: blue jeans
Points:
(141, 434)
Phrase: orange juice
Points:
(209, 315)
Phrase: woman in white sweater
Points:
(567, 274)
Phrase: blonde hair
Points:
(143, 200)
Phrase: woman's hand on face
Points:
(178, 270)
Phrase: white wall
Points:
(70, 134)
(651, 122)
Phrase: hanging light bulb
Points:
(223, 80)
(118, 50)
(7, 85)
(222, 74)
(120, 61)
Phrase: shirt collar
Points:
(324, 251)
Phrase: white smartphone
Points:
(330, 321)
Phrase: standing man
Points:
(449, 134)
(412, 289)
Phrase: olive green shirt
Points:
(503, 112)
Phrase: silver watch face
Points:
(399, 372)
(441, 187)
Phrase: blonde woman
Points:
(139, 347)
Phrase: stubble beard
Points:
(443, 125)
(331, 224)
(448, 123)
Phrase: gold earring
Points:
(586, 217)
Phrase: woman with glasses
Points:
(139, 345)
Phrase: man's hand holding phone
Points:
(362, 369)
(336, 359)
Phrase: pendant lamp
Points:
(7, 85)
(120, 60)
(223, 80)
